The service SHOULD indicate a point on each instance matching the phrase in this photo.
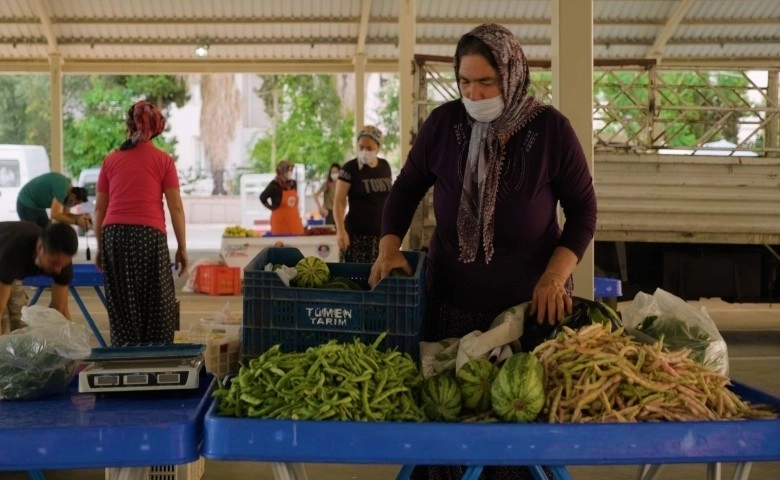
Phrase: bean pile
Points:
(594, 375)
(352, 381)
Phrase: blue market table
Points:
(476, 444)
(125, 429)
(84, 275)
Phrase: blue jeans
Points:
(37, 216)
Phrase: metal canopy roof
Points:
(324, 35)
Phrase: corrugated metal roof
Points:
(251, 34)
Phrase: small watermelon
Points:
(441, 398)
(313, 272)
(517, 393)
(475, 379)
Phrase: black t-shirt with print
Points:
(368, 190)
(18, 241)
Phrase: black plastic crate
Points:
(299, 318)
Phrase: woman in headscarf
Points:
(131, 236)
(281, 197)
(499, 162)
(364, 183)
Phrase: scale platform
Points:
(142, 368)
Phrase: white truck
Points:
(18, 165)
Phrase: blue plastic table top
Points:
(126, 429)
(84, 275)
(250, 439)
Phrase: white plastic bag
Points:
(496, 343)
(681, 325)
(285, 273)
(437, 357)
(41, 359)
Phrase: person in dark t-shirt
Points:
(27, 249)
(364, 183)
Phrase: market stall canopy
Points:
(315, 35)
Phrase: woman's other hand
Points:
(550, 301)
(342, 237)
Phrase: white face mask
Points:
(334, 176)
(365, 157)
(485, 110)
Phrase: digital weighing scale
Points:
(137, 368)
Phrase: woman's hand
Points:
(323, 212)
(181, 261)
(342, 237)
(99, 260)
(389, 258)
(550, 301)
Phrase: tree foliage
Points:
(686, 105)
(308, 126)
(389, 121)
(94, 110)
(25, 103)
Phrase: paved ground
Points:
(752, 332)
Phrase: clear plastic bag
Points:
(681, 325)
(41, 359)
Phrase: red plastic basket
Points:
(218, 280)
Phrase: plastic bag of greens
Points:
(41, 359)
(681, 325)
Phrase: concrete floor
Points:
(752, 332)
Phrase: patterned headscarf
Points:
(144, 122)
(487, 146)
(371, 131)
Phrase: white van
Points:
(18, 165)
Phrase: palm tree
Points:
(219, 112)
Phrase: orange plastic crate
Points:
(219, 280)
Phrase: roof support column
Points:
(360, 91)
(572, 78)
(407, 33)
(772, 143)
(55, 74)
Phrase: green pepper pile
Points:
(335, 381)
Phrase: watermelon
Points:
(441, 398)
(475, 379)
(313, 272)
(517, 393)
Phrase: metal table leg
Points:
(742, 472)
(648, 472)
(91, 322)
(405, 473)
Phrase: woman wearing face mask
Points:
(281, 197)
(499, 162)
(364, 183)
(328, 192)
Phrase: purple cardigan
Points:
(544, 164)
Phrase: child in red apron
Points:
(281, 197)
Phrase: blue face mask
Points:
(485, 110)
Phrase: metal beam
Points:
(365, 11)
(48, 31)
(656, 51)
(266, 20)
